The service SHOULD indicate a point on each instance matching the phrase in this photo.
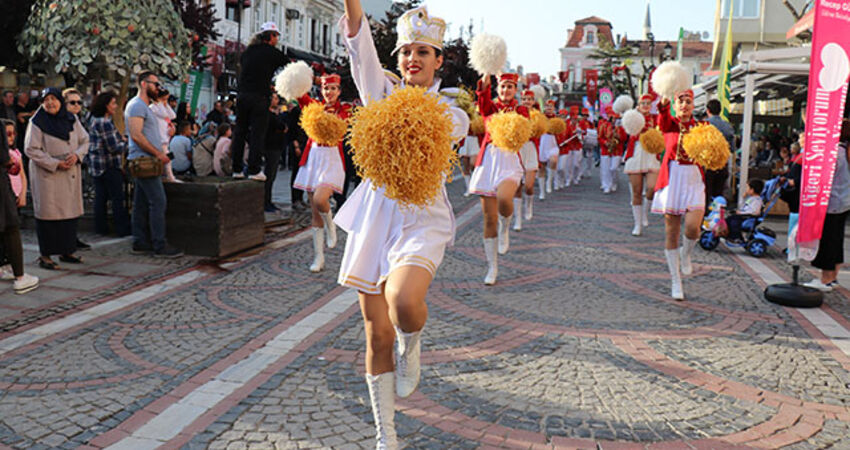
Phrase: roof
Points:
(576, 35)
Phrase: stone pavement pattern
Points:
(577, 344)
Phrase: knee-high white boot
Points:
(517, 214)
(466, 183)
(636, 213)
(528, 212)
(675, 275)
(504, 230)
(541, 186)
(382, 396)
(685, 257)
(647, 205)
(550, 178)
(330, 228)
(490, 250)
(407, 366)
(318, 250)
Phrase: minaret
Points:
(647, 23)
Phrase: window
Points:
(258, 14)
(314, 35)
(325, 40)
(274, 13)
(743, 8)
(232, 13)
(590, 38)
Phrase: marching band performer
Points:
(642, 168)
(497, 172)
(679, 190)
(392, 252)
(587, 128)
(322, 171)
(529, 156)
(614, 136)
(551, 151)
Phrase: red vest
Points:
(487, 107)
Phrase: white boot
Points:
(541, 186)
(685, 257)
(318, 250)
(517, 214)
(504, 230)
(550, 178)
(673, 265)
(529, 206)
(490, 245)
(636, 213)
(407, 366)
(647, 205)
(330, 228)
(382, 396)
(466, 181)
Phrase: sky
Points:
(535, 29)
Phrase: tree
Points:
(608, 58)
(94, 40)
(200, 20)
(385, 36)
(456, 70)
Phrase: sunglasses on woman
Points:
(75, 102)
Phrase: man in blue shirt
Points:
(181, 147)
(149, 194)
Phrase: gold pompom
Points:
(466, 101)
(403, 144)
(539, 124)
(509, 130)
(652, 141)
(706, 145)
(476, 125)
(323, 128)
(557, 126)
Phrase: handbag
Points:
(145, 167)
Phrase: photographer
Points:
(259, 62)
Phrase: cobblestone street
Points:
(578, 344)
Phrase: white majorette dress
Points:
(528, 156)
(495, 165)
(639, 160)
(321, 165)
(548, 147)
(470, 147)
(382, 235)
(680, 187)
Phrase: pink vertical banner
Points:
(828, 75)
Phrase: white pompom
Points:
(670, 78)
(633, 122)
(539, 92)
(623, 103)
(488, 54)
(294, 80)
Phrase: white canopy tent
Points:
(761, 75)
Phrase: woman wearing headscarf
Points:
(56, 142)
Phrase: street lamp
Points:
(668, 51)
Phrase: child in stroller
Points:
(749, 234)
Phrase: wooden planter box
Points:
(214, 216)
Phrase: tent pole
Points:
(746, 136)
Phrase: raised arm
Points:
(366, 69)
(665, 121)
(353, 16)
(482, 94)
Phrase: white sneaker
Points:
(25, 284)
(238, 175)
(6, 273)
(259, 176)
(407, 367)
(819, 285)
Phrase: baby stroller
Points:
(756, 239)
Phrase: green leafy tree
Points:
(200, 20)
(95, 40)
(12, 20)
(608, 58)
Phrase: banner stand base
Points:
(793, 294)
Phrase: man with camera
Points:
(259, 62)
(146, 157)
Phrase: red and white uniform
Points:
(680, 187)
(611, 140)
(322, 165)
(637, 159)
(494, 165)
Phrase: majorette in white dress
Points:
(495, 165)
(382, 235)
(323, 165)
(680, 187)
(639, 160)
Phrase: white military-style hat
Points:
(416, 26)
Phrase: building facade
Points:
(582, 40)
(756, 24)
